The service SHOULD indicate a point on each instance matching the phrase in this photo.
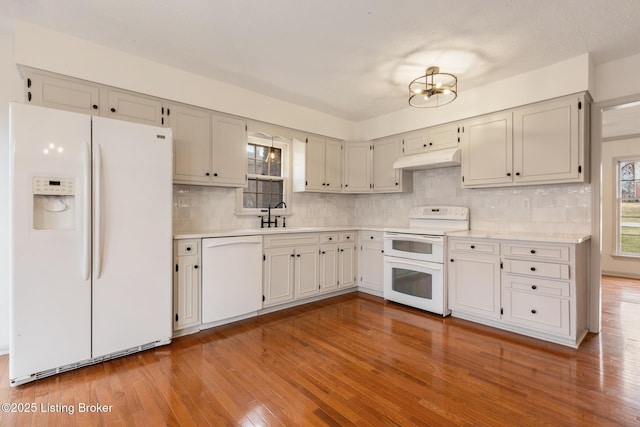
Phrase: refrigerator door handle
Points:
(86, 259)
(97, 213)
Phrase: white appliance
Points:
(431, 160)
(91, 240)
(414, 271)
(231, 278)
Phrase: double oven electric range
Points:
(414, 270)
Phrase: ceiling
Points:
(349, 58)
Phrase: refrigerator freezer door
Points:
(50, 286)
(133, 245)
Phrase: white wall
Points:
(10, 90)
(564, 78)
(617, 79)
(41, 48)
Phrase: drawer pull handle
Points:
(195, 266)
(473, 246)
(533, 269)
(188, 248)
(533, 251)
(534, 311)
(534, 287)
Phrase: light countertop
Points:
(523, 236)
(267, 231)
(483, 234)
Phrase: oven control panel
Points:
(458, 213)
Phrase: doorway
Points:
(621, 190)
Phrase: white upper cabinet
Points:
(191, 129)
(487, 146)
(317, 165)
(431, 139)
(544, 143)
(62, 93)
(357, 167)
(66, 93)
(229, 151)
(209, 149)
(133, 107)
(386, 179)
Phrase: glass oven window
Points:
(412, 247)
(411, 282)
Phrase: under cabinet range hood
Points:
(434, 159)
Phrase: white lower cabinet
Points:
(305, 265)
(186, 284)
(536, 288)
(371, 258)
(474, 284)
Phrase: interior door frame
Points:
(595, 296)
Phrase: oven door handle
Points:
(422, 264)
(414, 238)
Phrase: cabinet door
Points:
(371, 265)
(132, 107)
(186, 294)
(347, 265)
(333, 166)
(306, 271)
(229, 151)
(441, 137)
(415, 142)
(474, 284)
(328, 267)
(278, 276)
(62, 93)
(314, 160)
(191, 144)
(385, 177)
(487, 145)
(541, 313)
(546, 142)
(357, 167)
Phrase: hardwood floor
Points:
(356, 360)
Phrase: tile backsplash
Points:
(561, 208)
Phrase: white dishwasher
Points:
(231, 277)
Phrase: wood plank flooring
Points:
(356, 360)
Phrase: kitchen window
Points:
(628, 224)
(267, 174)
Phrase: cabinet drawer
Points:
(291, 240)
(479, 246)
(537, 286)
(371, 236)
(540, 312)
(329, 238)
(347, 236)
(535, 251)
(188, 247)
(535, 268)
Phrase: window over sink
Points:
(267, 175)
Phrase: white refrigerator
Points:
(91, 240)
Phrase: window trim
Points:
(285, 145)
(617, 252)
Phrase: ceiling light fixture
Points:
(433, 89)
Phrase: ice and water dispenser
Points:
(53, 203)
